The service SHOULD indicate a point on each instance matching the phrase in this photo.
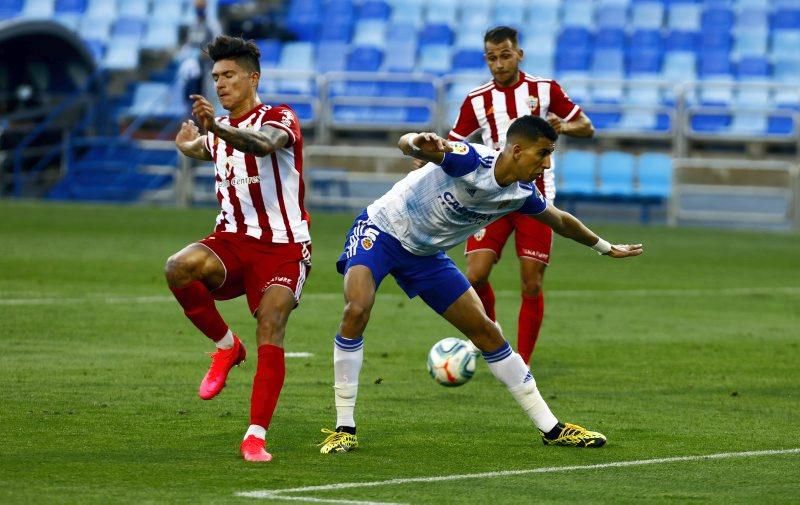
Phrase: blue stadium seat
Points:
(71, 6)
(38, 9)
(339, 30)
(714, 64)
(270, 52)
(608, 63)
(711, 123)
(616, 173)
(172, 11)
(781, 125)
(610, 38)
(785, 43)
(161, 34)
(752, 18)
(469, 39)
(307, 26)
(684, 17)
(138, 9)
(468, 60)
(442, 13)
(750, 43)
(753, 68)
(371, 32)
(682, 41)
(402, 57)
(719, 19)
(97, 48)
(507, 14)
(654, 173)
(647, 16)
(787, 70)
(101, 9)
(644, 62)
(786, 19)
(332, 57)
(712, 40)
(577, 172)
(679, 66)
(749, 123)
(647, 39)
(374, 9)
(156, 99)
(612, 16)
(435, 58)
(364, 59)
(474, 18)
(435, 34)
(98, 29)
(540, 63)
(10, 9)
(578, 13)
(400, 33)
(297, 56)
(121, 54)
(543, 17)
(128, 28)
(408, 13)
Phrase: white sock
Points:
(348, 354)
(514, 373)
(258, 431)
(225, 342)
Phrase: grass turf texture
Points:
(99, 396)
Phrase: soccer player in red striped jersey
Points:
(260, 246)
(490, 108)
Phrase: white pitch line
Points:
(557, 293)
(278, 494)
(298, 355)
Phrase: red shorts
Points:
(533, 239)
(252, 266)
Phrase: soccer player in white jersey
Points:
(463, 188)
(490, 108)
(260, 246)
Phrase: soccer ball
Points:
(451, 362)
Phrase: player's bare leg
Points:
(348, 354)
(531, 311)
(191, 274)
(508, 367)
(272, 315)
(479, 267)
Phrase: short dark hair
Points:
(244, 52)
(500, 34)
(532, 128)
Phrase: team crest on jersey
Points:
(533, 102)
(459, 147)
(367, 243)
(480, 234)
(287, 118)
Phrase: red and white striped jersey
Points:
(261, 196)
(491, 109)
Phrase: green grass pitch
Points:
(691, 349)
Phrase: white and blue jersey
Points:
(405, 232)
(437, 207)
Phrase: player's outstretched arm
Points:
(191, 143)
(425, 146)
(567, 225)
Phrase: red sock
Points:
(530, 320)
(267, 384)
(199, 307)
(486, 294)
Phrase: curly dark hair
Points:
(244, 52)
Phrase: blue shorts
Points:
(435, 278)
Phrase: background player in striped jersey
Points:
(490, 108)
(260, 246)
(405, 233)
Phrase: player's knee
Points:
(271, 328)
(356, 313)
(532, 287)
(177, 270)
(477, 279)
